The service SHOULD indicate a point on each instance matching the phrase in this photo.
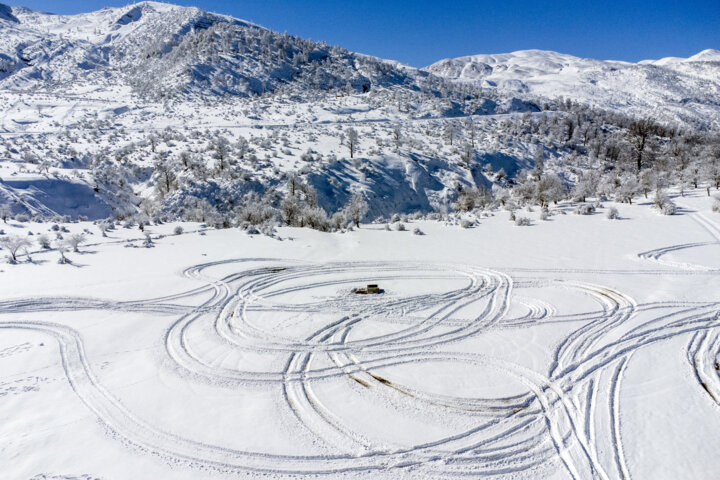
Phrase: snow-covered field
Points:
(577, 347)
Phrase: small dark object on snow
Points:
(371, 288)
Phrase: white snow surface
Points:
(168, 50)
(575, 348)
(678, 89)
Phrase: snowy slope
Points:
(578, 348)
(100, 103)
(680, 90)
(164, 49)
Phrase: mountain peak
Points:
(6, 13)
(707, 55)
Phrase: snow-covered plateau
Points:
(192, 205)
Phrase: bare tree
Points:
(221, 152)
(290, 209)
(293, 183)
(470, 127)
(450, 132)
(352, 138)
(397, 137)
(640, 131)
(467, 152)
(5, 212)
(166, 177)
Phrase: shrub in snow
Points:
(148, 242)
(62, 250)
(43, 241)
(337, 220)
(584, 209)
(512, 215)
(544, 213)
(22, 218)
(522, 221)
(612, 214)
(14, 244)
(315, 218)
(664, 204)
(55, 228)
(400, 227)
(387, 227)
(417, 231)
(74, 241)
(178, 230)
(716, 204)
(669, 208)
(466, 223)
(268, 229)
(103, 226)
(250, 229)
(395, 218)
(82, 218)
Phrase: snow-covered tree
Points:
(549, 188)
(470, 131)
(586, 186)
(467, 152)
(220, 147)
(75, 240)
(14, 244)
(43, 241)
(647, 181)
(450, 131)
(5, 212)
(351, 139)
(710, 170)
(290, 209)
(628, 189)
(356, 208)
(165, 174)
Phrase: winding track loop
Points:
(358, 342)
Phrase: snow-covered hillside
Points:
(678, 89)
(161, 49)
(172, 112)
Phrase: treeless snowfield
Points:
(574, 348)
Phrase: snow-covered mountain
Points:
(178, 112)
(164, 49)
(677, 89)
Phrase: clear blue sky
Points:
(421, 32)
